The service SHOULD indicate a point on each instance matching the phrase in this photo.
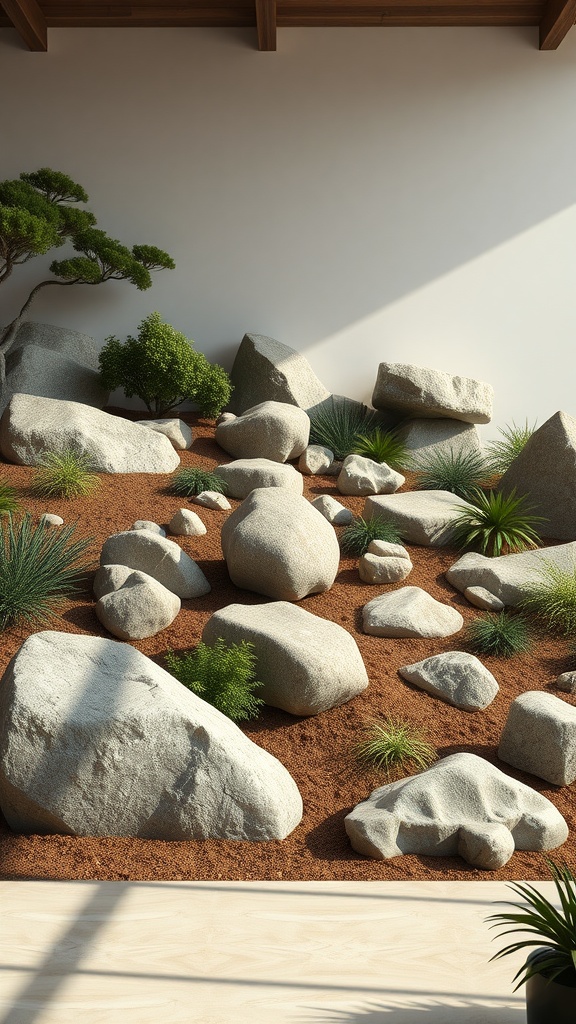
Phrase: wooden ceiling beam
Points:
(29, 22)
(266, 24)
(557, 20)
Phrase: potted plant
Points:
(550, 970)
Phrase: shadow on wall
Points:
(429, 1012)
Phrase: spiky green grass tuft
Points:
(338, 424)
(189, 482)
(64, 474)
(496, 524)
(383, 446)
(501, 453)
(223, 675)
(8, 500)
(500, 633)
(553, 598)
(356, 537)
(461, 473)
(390, 744)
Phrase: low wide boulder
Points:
(276, 543)
(423, 392)
(31, 426)
(462, 806)
(271, 430)
(245, 475)
(540, 737)
(306, 664)
(98, 740)
(139, 608)
(456, 677)
(509, 577)
(360, 476)
(266, 370)
(160, 558)
(410, 611)
(421, 517)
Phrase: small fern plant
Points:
(223, 675)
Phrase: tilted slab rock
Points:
(360, 476)
(482, 598)
(98, 740)
(509, 577)
(456, 677)
(463, 806)
(545, 473)
(31, 426)
(177, 431)
(276, 543)
(33, 370)
(421, 517)
(307, 664)
(427, 437)
(160, 558)
(383, 568)
(245, 475)
(423, 392)
(272, 430)
(212, 499)
(410, 611)
(540, 737)
(334, 511)
(265, 370)
(137, 609)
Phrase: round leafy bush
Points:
(357, 537)
(496, 524)
(461, 473)
(190, 482)
(383, 446)
(500, 634)
(161, 367)
(223, 675)
(391, 743)
(64, 474)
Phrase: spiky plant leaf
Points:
(552, 597)
(501, 453)
(64, 474)
(499, 633)
(390, 743)
(338, 424)
(190, 482)
(383, 446)
(461, 473)
(223, 675)
(496, 524)
(357, 537)
(8, 500)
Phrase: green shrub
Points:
(223, 675)
(161, 367)
(501, 634)
(8, 500)
(37, 565)
(553, 598)
(496, 524)
(189, 482)
(501, 453)
(338, 424)
(383, 446)
(356, 537)
(64, 474)
(461, 473)
(391, 743)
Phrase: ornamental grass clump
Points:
(64, 474)
(223, 675)
(391, 743)
(37, 566)
(339, 424)
(190, 482)
(357, 537)
(383, 446)
(461, 473)
(500, 454)
(8, 500)
(496, 524)
(552, 598)
(500, 634)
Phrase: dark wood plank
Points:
(29, 22)
(266, 24)
(558, 18)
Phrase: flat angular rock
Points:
(265, 370)
(271, 430)
(508, 577)
(307, 664)
(176, 430)
(185, 523)
(360, 476)
(545, 472)
(160, 558)
(245, 475)
(333, 510)
(423, 392)
(30, 426)
(383, 568)
(409, 611)
(482, 598)
(212, 499)
(386, 549)
(277, 544)
(137, 609)
(463, 806)
(427, 437)
(315, 459)
(540, 737)
(456, 677)
(98, 740)
(147, 524)
(421, 517)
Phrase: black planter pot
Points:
(550, 1002)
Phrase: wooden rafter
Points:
(266, 24)
(557, 20)
(29, 22)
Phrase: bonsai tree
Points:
(161, 367)
(39, 212)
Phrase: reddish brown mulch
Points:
(316, 751)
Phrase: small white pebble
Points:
(51, 520)
(212, 499)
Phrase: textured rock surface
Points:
(409, 611)
(96, 739)
(185, 523)
(383, 568)
(159, 557)
(212, 499)
(423, 392)
(545, 472)
(271, 430)
(540, 737)
(315, 459)
(508, 576)
(456, 677)
(334, 511)
(424, 438)
(266, 370)
(482, 598)
(421, 517)
(147, 524)
(81, 347)
(31, 426)
(360, 476)
(177, 431)
(111, 577)
(276, 543)
(307, 664)
(51, 519)
(386, 549)
(33, 370)
(567, 682)
(245, 475)
(462, 805)
(138, 608)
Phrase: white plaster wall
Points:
(400, 194)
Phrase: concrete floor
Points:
(254, 952)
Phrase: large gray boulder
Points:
(245, 475)
(509, 577)
(463, 806)
(81, 347)
(545, 473)
(98, 740)
(266, 370)
(421, 517)
(31, 426)
(456, 677)
(306, 664)
(428, 437)
(272, 430)
(410, 611)
(360, 476)
(139, 608)
(160, 558)
(276, 543)
(34, 370)
(540, 737)
(423, 392)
